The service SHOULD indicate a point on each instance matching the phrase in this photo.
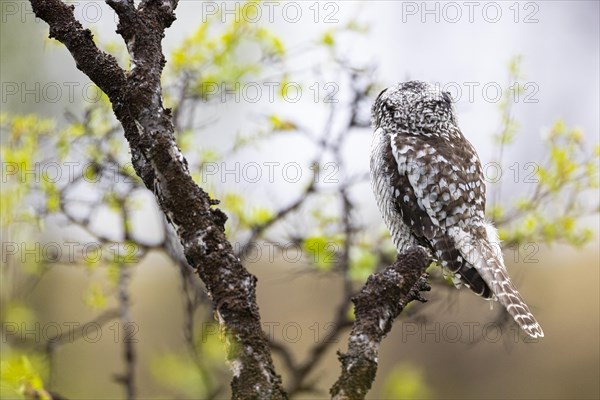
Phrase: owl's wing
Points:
(439, 187)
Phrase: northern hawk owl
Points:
(429, 187)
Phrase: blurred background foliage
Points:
(84, 241)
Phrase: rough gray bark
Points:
(380, 301)
(136, 98)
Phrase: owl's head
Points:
(414, 108)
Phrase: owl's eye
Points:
(397, 114)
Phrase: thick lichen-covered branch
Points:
(136, 97)
(380, 301)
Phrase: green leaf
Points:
(95, 297)
(559, 127)
(327, 39)
(524, 204)
(576, 135)
(179, 372)
(212, 343)
(280, 125)
(514, 66)
(529, 224)
(90, 173)
(259, 216)
(354, 26)
(209, 155)
(52, 194)
(350, 314)
(18, 313)
(112, 201)
(321, 251)
(20, 376)
(496, 212)
(113, 272)
(362, 263)
(271, 43)
(234, 202)
(406, 381)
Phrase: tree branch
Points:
(104, 71)
(380, 301)
(136, 99)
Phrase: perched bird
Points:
(429, 187)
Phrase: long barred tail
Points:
(494, 273)
(489, 263)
